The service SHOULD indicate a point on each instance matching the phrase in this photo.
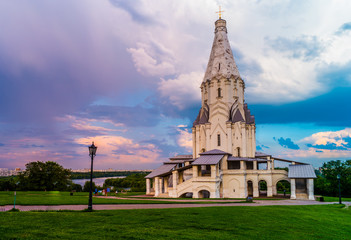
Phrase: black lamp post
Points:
(92, 153)
(338, 177)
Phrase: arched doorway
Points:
(249, 189)
(186, 195)
(262, 188)
(204, 194)
(283, 188)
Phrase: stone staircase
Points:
(184, 187)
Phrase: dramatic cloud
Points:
(185, 138)
(127, 73)
(149, 62)
(339, 140)
(183, 91)
(304, 47)
(117, 150)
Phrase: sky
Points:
(126, 75)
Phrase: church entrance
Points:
(249, 189)
(262, 188)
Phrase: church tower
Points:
(224, 121)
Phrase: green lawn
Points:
(335, 199)
(267, 222)
(64, 198)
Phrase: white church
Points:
(224, 163)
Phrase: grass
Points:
(64, 198)
(335, 199)
(266, 222)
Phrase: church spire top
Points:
(220, 13)
(221, 62)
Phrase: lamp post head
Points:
(338, 176)
(92, 150)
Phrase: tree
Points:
(45, 176)
(86, 187)
(327, 182)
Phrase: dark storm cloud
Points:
(287, 143)
(304, 47)
(330, 109)
(55, 62)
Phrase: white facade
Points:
(224, 162)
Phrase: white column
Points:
(268, 164)
(148, 186)
(242, 165)
(293, 189)
(175, 182)
(194, 141)
(229, 137)
(197, 145)
(157, 186)
(213, 171)
(208, 133)
(161, 185)
(255, 165)
(195, 171)
(310, 189)
(243, 137)
(256, 193)
(269, 189)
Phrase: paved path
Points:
(158, 206)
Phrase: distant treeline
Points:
(136, 182)
(86, 175)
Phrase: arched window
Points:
(218, 139)
(219, 92)
(238, 151)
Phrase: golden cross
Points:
(220, 12)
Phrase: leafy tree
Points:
(45, 176)
(327, 182)
(76, 187)
(86, 187)
(8, 183)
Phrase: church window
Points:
(238, 152)
(218, 139)
(219, 92)
(233, 164)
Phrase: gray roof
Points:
(261, 154)
(231, 158)
(301, 171)
(208, 160)
(178, 157)
(161, 170)
(214, 152)
(175, 161)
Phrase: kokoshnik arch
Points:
(224, 163)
